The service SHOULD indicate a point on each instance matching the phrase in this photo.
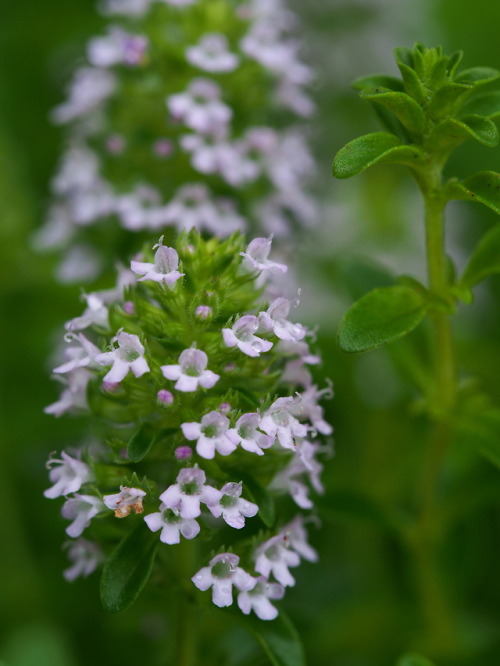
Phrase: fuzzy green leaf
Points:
(381, 316)
(446, 97)
(128, 568)
(478, 75)
(140, 444)
(370, 149)
(377, 81)
(406, 110)
(412, 84)
(483, 186)
(487, 104)
(413, 659)
(278, 638)
(404, 55)
(485, 260)
(450, 133)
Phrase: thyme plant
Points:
(427, 114)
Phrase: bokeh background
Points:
(358, 606)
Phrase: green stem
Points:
(186, 620)
(426, 541)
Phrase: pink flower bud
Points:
(203, 312)
(110, 387)
(129, 307)
(115, 144)
(183, 452)
(165, 397)
(162, 148)
(224, 407)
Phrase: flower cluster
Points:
(201, 391)
(182, 117)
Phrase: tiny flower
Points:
(203, 312)
(256, 256)
(221, 575)
(129, 307)
(164, 397)
(74, 395)
(128, 356)
(275, 319)
(127, 500)
(191, 371)
(257, 599)
(183, 452)
(274, 556)
(95, 314)
(249, 437)
(110, 387)
(81, 355)
(188, 492)
(241, 335)
(117, 47)
(80, 509)
(297, 538)
(212, 434)
(211, 54)
(68, 477)
(279, 422)
(163, 147)
(85, 557)
(89, 88)
(232, 507)
(306, 406)
(172, 525)
(164, 268)
(200, 107)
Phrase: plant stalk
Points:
(187, 644)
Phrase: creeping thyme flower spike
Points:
(185, 495)
(211, 435)
(80, 509)
(221, 575)
(85, 557)
(241, 335)
(127, 500)
(257, 599)
(256, 257)
(129, 355)
(191, 371)
(232, 507)
(164, 268)
(172, 525)
(68, 475)
(274, 557)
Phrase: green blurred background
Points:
(358, 606)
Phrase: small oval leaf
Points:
(478, 75)
(483, 186)
(412, 84)
(406, 110)
(446, 97)
(362, 153)
(140, 444)
(377, 80)
(381, 316)
(450, 133)
(128, 568)
(487, 104)
(485, 260)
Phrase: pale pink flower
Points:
(164, 268)
(191, 371)
(257, 599)
(190, 490)
(200, 107)
(80, 355)
(211, 435)
(221, 575)
(212, 55)
(241, 335)
(118, 47)
(127, 500)
(172, 525)
(274, 556)
(128, 356)
(74, 396)
(256, 256)
(232, 507)
(85, 557)
(248, 435)
(68, 475)
(275, 319)
(279, 422)
(80, 509)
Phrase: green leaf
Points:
(381, 316)
(483, 186)
(450, 133)
(140, 444)
(406, 110)
(485, 259)
(453, 63)
(445, 99)
(278, 638)
(413, 659)
(478, 75)
(377, 81)
(360, 275)
(370, 149)
(412, 84)
(487, 104)
(259, 495)
(128, 568)
(404, 55)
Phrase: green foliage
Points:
(127, 569)
(381, 316)
(483, 187)
(278, 638)
(140, 444)
(413, 659)
(485, 260)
